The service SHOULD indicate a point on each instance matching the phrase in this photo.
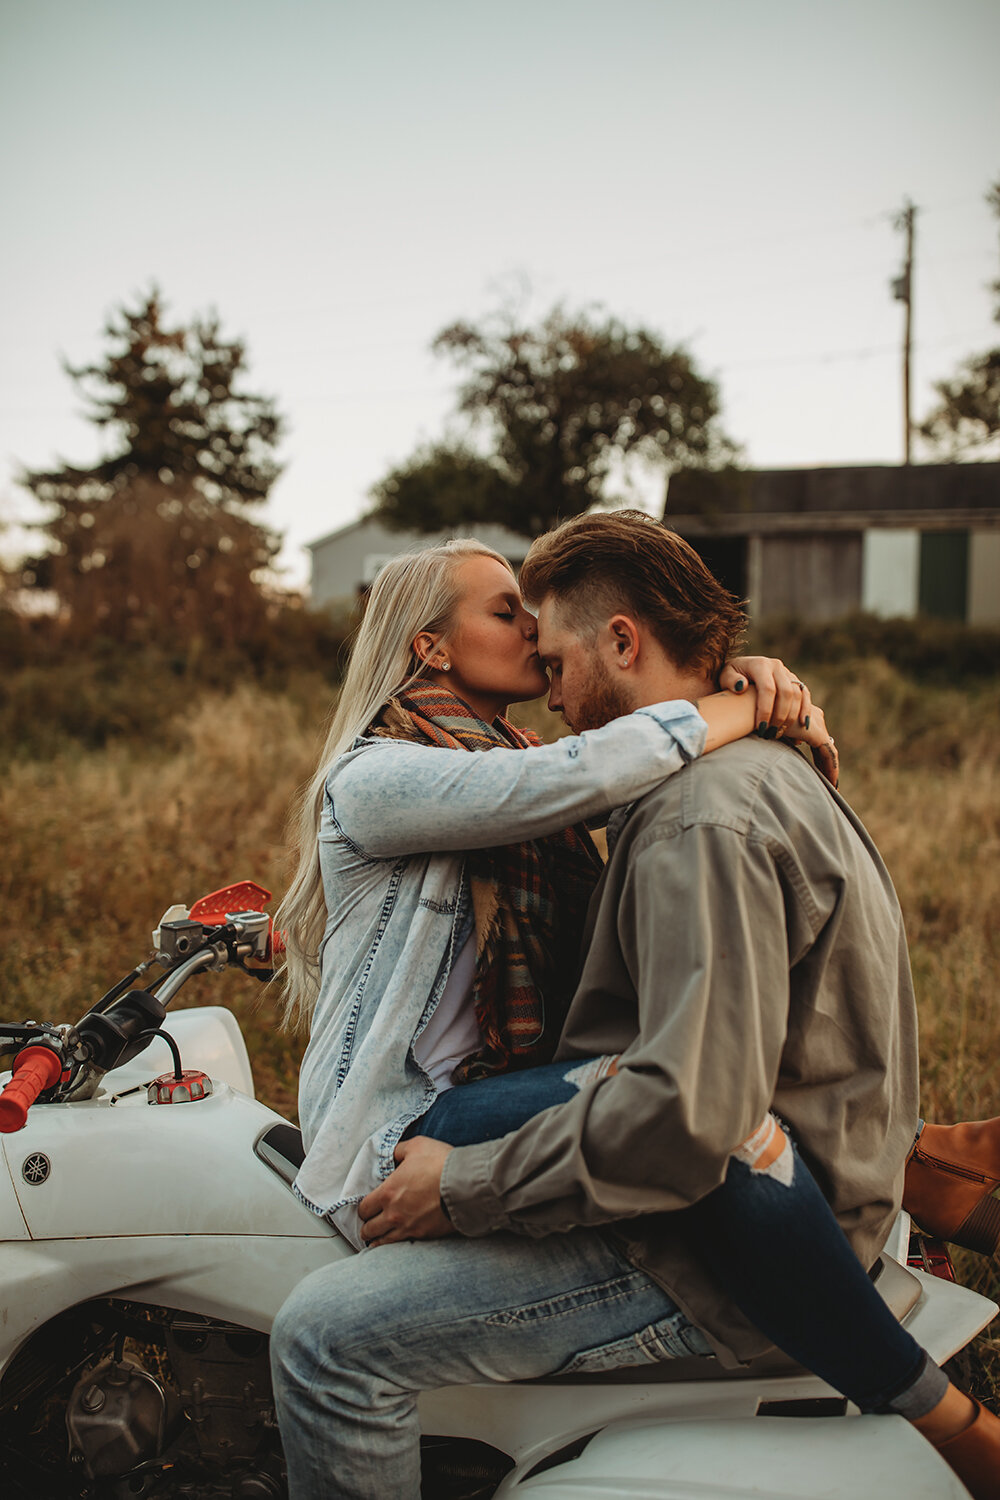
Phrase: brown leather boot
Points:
(974, 1455)
(951, 1173)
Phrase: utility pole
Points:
(902, 291)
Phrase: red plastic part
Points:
(932, 1256)
(245, 895)
(192, 1085)
(35, 1069)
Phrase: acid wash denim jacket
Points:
(396, 820)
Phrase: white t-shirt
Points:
(452, 1031)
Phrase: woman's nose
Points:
(530, 627)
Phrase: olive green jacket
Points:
(745, 952)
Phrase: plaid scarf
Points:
(529, 899)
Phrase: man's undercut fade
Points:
(625, 562)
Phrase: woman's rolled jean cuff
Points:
(919, 1395)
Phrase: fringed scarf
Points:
(529, 899)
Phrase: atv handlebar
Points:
(35, 1069)
(120, 1026)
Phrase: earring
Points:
(446, 666)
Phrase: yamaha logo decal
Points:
(36, 1168)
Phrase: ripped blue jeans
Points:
(767, 1234)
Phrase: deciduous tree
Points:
(555, 412)
(966, 421)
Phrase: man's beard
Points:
(601, 700)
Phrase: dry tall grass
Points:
(97, 843)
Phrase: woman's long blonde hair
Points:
(415, 592)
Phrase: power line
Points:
(724, 365)
(840, 356)
(709, 249)
(870, 273)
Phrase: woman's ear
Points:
(424, 647)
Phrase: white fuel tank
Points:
(111, 1166)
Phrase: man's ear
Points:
(625, 640)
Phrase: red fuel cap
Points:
(191, 1085)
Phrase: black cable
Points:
(116, 990)
(174, 1051)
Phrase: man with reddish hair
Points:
(729, 1180)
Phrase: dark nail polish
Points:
(807, 721)
(761, 728)
(772, 733)
(739, 686)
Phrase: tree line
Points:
(161, 539)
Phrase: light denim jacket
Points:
(396, 820)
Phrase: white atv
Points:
(148, 1236)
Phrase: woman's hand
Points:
(783, 702)
(820, 741)
(784, 707)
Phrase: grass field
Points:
(98, 842)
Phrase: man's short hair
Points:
(596, 566)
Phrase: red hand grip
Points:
(35, 1069)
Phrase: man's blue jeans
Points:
(356, 1342)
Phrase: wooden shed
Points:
(820, 543)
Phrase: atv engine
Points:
(157, 1403)
(163, 1405)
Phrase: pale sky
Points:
(341, 181)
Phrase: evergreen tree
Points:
(157, 540)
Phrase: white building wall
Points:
(890, 571)
(349, 560)
(984, 578)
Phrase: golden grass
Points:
(97, 844)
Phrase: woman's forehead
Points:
(487, 575)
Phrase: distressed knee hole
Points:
(768, 1152)
(590, 1071)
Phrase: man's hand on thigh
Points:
(407, 1206)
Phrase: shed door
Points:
(944, 574)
